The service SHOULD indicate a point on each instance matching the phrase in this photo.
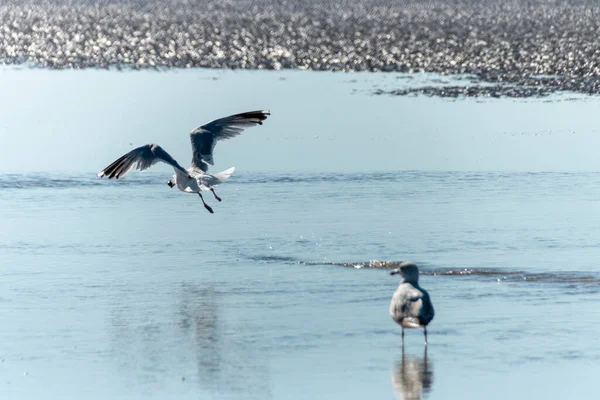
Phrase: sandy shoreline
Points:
(529, 49)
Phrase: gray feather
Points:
(141, 159)
(205, 137)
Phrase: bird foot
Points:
(215, 194)
(210, 210)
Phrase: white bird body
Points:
(203, 139)
(186, 182)
(411, 305)
(196, 180)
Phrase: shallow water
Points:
(137, 287)
(127, 289)
(78, 121)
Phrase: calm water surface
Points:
(132, 290)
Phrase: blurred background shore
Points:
(523, 49)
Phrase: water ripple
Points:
(501, 274)
(58, 181)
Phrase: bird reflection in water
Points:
(199, 316)
(413, 376)
(225, 360)
(194, 336)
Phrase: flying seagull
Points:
(204, 138)
(411, 306)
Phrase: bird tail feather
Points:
(224, 175)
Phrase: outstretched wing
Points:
(141, 159)
(205, 137)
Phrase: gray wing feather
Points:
(427, 312)
(205, 137)
(141, 159)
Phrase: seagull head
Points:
(171, 183)
(408, 270)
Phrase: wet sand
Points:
(515, 49)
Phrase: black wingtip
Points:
(261, 115)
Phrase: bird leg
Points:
(216, 197)
(425, 333)
(210, 210)
(402, 336)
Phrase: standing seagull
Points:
(411, 306)
(204, 138)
